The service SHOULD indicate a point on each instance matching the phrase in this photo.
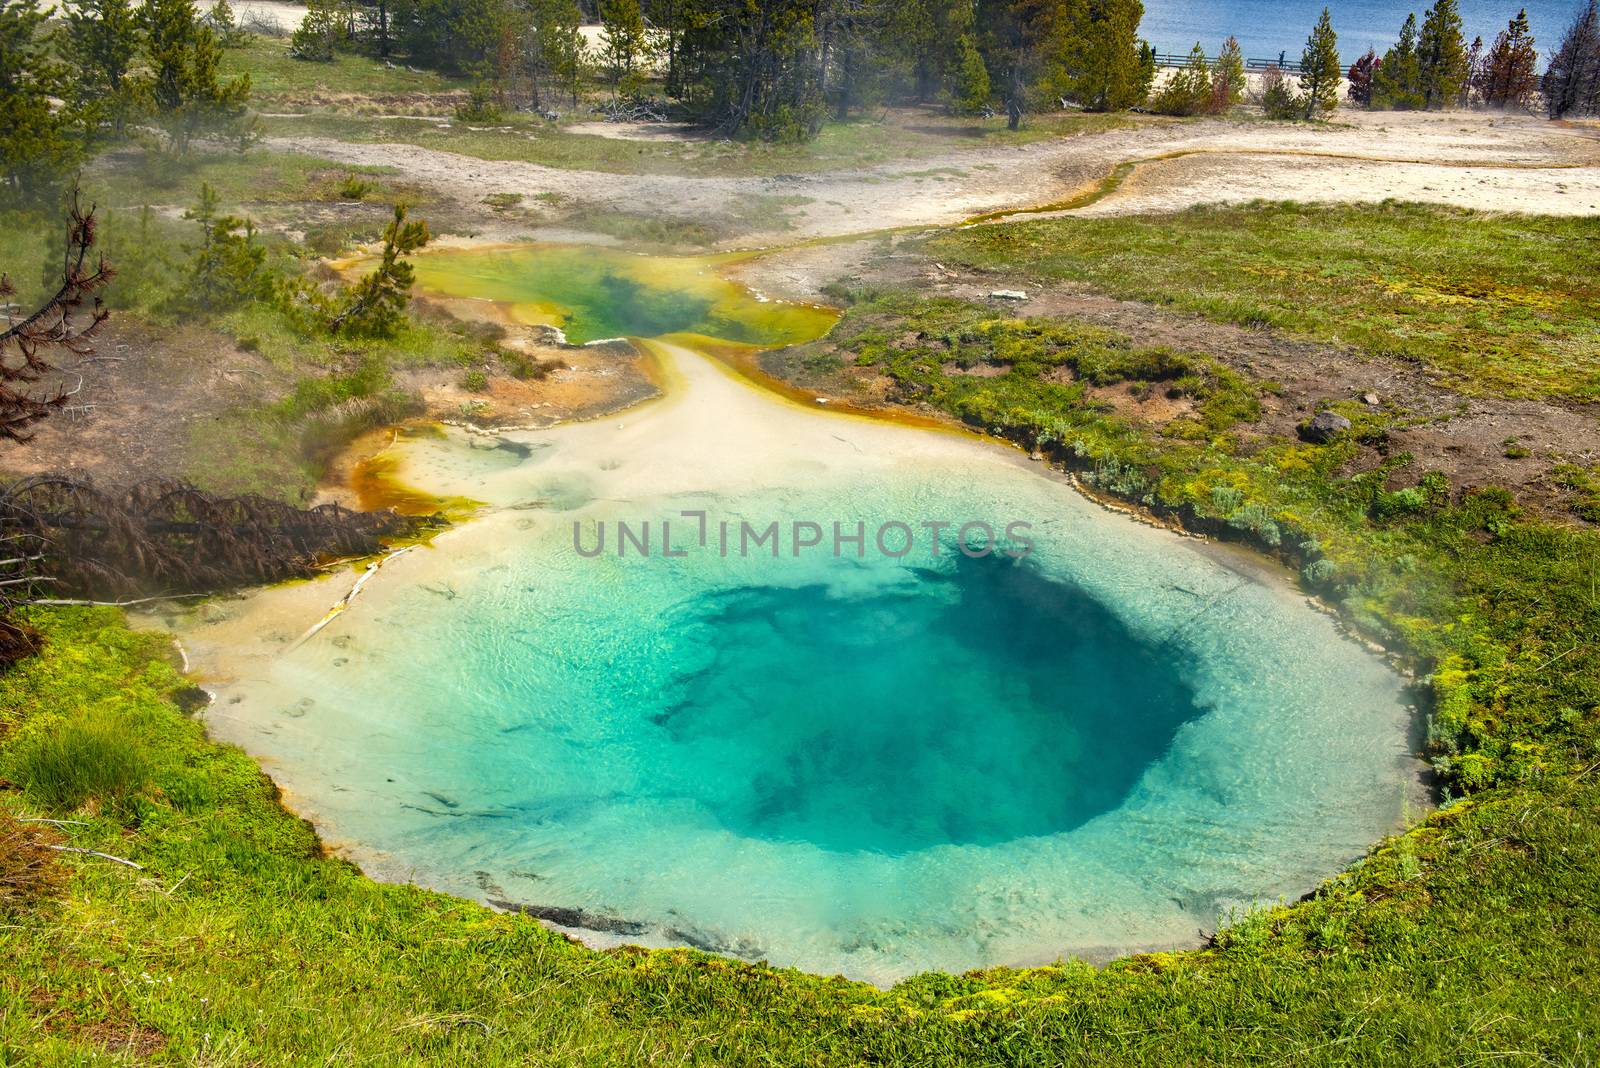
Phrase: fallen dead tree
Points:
(633, 109)
(67, 538)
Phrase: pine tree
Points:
(624, 43)
(1319, 69)
(65, 322)
(1277, 99)
(101, 40)
(318, 33)
(1227, 78)
(1013, 37)
(229, 267)
(1104, 60)
(189, 94)
(925, 37)
(969, 90)
(1469, 84)
(1508, 77)
(1188, 91)
(1397, 81)
(1360, 75)
(753, 68)
(222, 20)
(1441, 55)
(376, 19)
(1572, 83)
(39, 142)
(552, 52)
(376, 305)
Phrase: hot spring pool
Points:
(860, 763)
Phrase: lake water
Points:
(1267, 27)
(855, 760)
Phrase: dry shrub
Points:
(29, 874)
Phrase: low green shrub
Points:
(95, 756)
(354, 187)
(482, 105)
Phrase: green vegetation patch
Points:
(278, 80)
(1493, 304)
(991, 369)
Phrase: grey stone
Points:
(1324, 427)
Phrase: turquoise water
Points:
(868, 766)
(798, 705)
(859, 762)
(593, 293)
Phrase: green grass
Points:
(1046, 367)
(279, 82)
(96, 756)
(1492, 304)
(130, 177)
(1465, 941)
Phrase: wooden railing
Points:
(1287, 65)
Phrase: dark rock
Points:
(1324, 427)
(191, 699)
(579, 919)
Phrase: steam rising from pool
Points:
(853, 764)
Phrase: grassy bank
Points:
(1492, 304)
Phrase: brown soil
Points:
(581, 383)
(148, 390)
(142, 394)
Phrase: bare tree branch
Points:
(65, 322)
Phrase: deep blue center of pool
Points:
(971, 706)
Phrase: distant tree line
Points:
(1432, 67)
(69, 87)
(775, 69)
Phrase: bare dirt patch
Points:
(141, 396)
(1488, 162)
(640, 131)
(577, 383)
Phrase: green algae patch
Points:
(593, 293)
